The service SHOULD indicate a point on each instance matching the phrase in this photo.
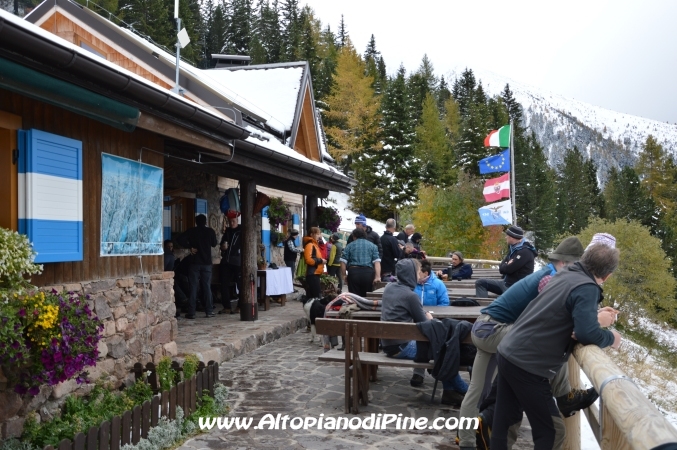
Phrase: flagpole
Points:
(512, 173)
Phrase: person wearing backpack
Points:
(334, 261)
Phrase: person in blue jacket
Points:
(430, 289)
(457, 270)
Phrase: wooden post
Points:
(249, 250)
(310, 216)
(572, 440)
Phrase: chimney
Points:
(224, 61)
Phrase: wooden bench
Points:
(360, 339)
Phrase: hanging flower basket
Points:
(328, 218)
(278, 212)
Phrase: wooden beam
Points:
(9, 181)
(572, 438)
(249, 250)
(310, 214)
(168, 129)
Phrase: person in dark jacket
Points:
(458, 270)
(401, 304)
(517, 264)
(372, 236)
(406, 233)
(200, 239)
(416, 240)
(392, 251)
(230, 268)
(291, 251)
(541, 341)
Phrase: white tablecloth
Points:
(279, 281)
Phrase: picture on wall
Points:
(131, 207)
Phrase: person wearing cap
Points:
(494, 323)
(363, 263)
(372, 236)
(291, 251)
(334, 261)
(517, 264)
(540, 342)
(392, 252)
(457, 270)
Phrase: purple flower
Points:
(22, 313)
(16, 345)
(34, 390)
(20, 389)
(5, 319)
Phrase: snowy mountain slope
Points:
(610, 138)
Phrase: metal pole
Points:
(512, 171)
(178, 55)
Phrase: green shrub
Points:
(165, 373)
(190, 366)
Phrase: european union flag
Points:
(496, 163)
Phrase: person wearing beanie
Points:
(602, 238)
(494, 323)
(416, 240)
(372, 236)
(457, 270)
(535, 350)
(291, 251)
(517, 264)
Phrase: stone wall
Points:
(139, 326)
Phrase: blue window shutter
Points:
(200, 206)
(50, 195)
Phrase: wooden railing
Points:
(134, 425)
(628, 419)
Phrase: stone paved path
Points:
(285, 377)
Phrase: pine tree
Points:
(464, 91)
(443, 94)
(216, 25)
(432, 146)
(399, 163)
(420, 84)
(151, 18)
(576, 200)
(291, 30)
(327, 53)
(352, 107)
(240, 27)
(372, 59)
(309, 37)
(265, 43)
(626, 199)
(342, 37)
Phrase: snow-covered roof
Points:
(274, 90)
(93, 56)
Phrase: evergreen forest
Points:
(412, 140)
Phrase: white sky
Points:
(619, 54)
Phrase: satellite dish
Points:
(183, 38)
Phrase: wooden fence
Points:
(134, 425)
(627, 419)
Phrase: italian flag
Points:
(498, 138)
(497, 188)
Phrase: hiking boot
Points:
(483, 438)
(416, 380)
(576, 400)
(452, 398)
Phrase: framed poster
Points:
(131, 207)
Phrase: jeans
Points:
(202, 274)
(408, 351)
(482, 286)
(360, 280)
